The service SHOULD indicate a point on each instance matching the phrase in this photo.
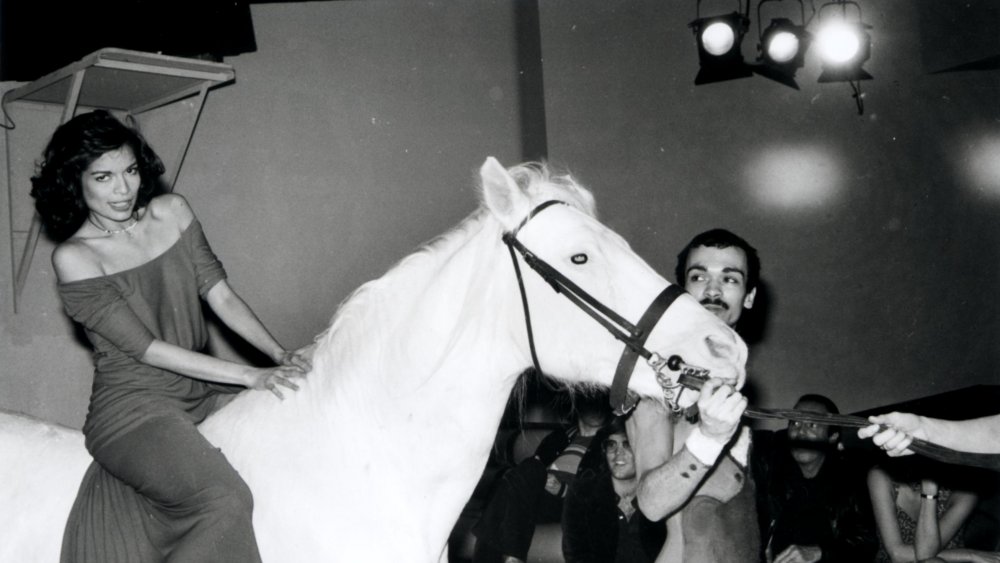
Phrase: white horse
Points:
(375, 457)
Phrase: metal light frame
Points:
(729, 65)
(850, 71)
(783, 72)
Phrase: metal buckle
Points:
(691, 377)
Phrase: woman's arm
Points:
(238, 316)
(977, 435)
(964, 555)
(927, 542)
(884, 508)
(209, 368)
(960, 506)
(226, 304)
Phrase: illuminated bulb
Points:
(718, 38)
(783, 47)
(838, 43)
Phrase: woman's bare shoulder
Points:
(172, 208)
(75, 260)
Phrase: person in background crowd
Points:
(812, 500)
(600, 522)
(532, 492)
(921, 508)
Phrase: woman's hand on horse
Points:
(301, 358)
(273, 378)
(720, 408)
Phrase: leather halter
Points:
(691, 377)
(632, 335)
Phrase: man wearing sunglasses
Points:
(813, 502)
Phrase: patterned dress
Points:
(908, 526)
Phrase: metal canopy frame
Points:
(114, 79)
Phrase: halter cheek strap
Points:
(691, 377)
(633, 336)
(623, 400)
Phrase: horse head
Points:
(550, 220)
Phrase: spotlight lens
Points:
(783, 47)
(718, 38)
(838, 43)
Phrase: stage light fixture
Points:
(782, 48)
(844, 45)
(719, 40)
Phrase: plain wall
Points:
(354, 132)
(879, 242)
(349, 138)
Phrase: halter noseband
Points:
(633, 336)
(691, 377)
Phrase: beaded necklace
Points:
(127, 230)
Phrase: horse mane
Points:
(367, 311)
(374, 306)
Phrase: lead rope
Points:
(693, 377)
(922, 447)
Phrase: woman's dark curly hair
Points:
(74, 146)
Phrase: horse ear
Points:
(502, 194)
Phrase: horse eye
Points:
(579, 258)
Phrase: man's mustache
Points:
(716, 302)
(804, 444)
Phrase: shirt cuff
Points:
(703, 448)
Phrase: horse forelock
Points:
(542, 182)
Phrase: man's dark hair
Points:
(720, 238)
(827, 402)
(615, 425)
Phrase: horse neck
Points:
(442, 329)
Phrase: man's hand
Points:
(899, 431)
(553, 485)
(720, 408)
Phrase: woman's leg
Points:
(203, 509)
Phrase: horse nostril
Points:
(720, 349)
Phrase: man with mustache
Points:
(721, 270)
(812, 502)
(691, 468)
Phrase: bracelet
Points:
(930, 497)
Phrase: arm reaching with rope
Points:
(894, 432)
